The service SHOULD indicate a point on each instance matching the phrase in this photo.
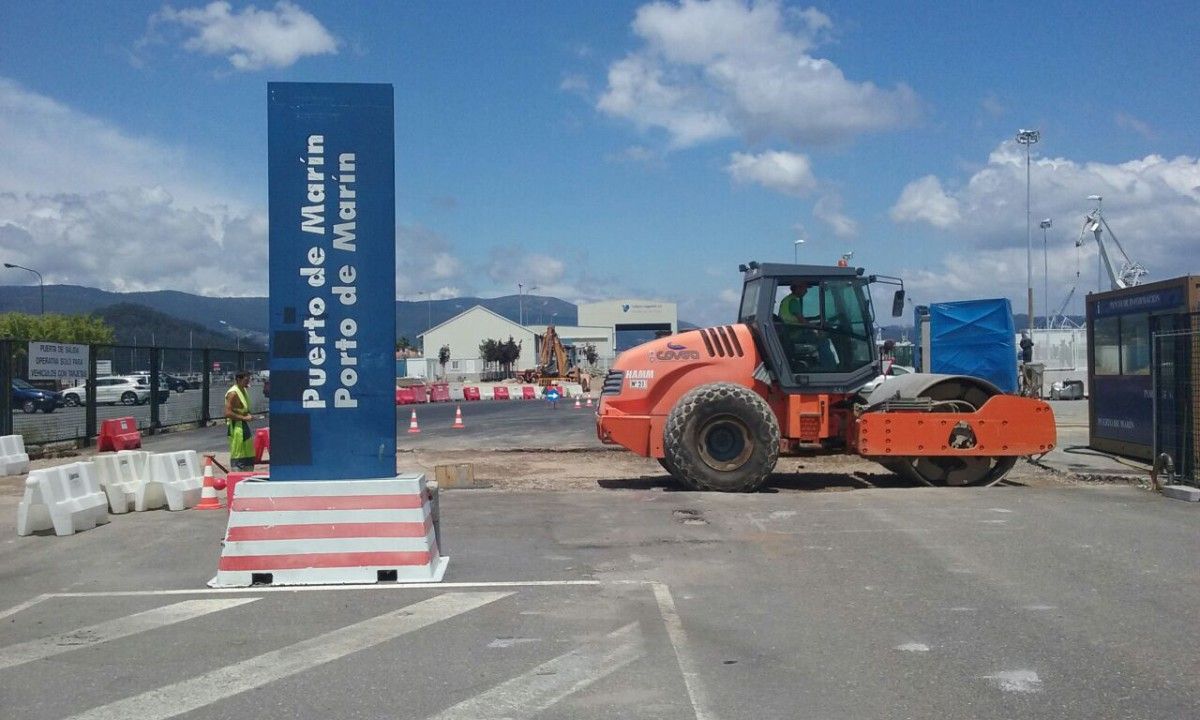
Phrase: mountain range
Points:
(169, 318)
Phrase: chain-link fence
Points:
(1176, 365)
(116, 381)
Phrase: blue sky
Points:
(615, 149)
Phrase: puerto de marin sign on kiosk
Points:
(334, 509)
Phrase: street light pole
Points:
(1046, 225)
(1028, 138)
(796, 250)
(41, 286)
(521, 303)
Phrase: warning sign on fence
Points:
(57, 361)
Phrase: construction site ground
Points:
(531, 445)
(583, 585)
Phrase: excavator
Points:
(718, 406)
(552, 365)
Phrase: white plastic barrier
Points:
(122, 477)
(66, 498)
(177, 476)
(456, 392)
(13, 458)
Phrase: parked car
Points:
(164, 388)
(893, 371)
(111, 390)
(174, 382)
(31, 399)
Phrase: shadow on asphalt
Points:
(794, 482)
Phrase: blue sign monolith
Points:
(331, 172)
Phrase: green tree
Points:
(488, 350)
(508, 353)
(403, 343)
(81, 329)
(443, 357)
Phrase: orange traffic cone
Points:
(458, 423)
(412, 424)
(577, 403)
(589, 401)
(208, 495)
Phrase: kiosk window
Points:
(1135, 345)
(1107, 336)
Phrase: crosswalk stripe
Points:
(178, 698)
(41, 648)
(526, 695)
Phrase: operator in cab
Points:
(801, 335)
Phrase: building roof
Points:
(469, 310)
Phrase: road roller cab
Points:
(717, 406)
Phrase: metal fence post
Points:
(155, 359)
(89, 399)
(205, 384)
(6, 378)
(241, 363)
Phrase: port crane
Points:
(1130, 273)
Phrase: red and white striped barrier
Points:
(330, 532)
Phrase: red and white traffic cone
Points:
(412, 424)
(208, 495)
(578, 405)
(589, 400)
(458, 423)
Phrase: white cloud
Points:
(785, 172)
(1152, 204)
(709, 70)
(51, 148)
(425, 263)
(924, 200)
(86, 203)
(252, 39)
(135, 239)
(828, 210)
(1126, 121)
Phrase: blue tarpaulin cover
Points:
(974, 337)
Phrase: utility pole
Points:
(1028, 138)
(1046, 225)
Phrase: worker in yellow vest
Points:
(237, 422)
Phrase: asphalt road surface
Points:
(1065, 603)
(630, 599)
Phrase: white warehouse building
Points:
(598, 326)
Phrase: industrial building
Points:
(599, 325)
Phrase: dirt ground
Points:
(605, 469)
(614, 469)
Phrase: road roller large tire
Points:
(722, 437)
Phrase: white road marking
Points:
(179, 698)
(683, 655)
(27, 604)
(526, 695)
(511, 641)
(1018, 681)
(257, 589)
(913, 647)
(91, 635)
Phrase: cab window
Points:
(822, 325)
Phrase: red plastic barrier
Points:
(119, 434)
(405, 396)
(499, 392)
(439, 392)
(262, 443)
(470, 393)
(420, 393)
(528, 393)
(232, 479)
